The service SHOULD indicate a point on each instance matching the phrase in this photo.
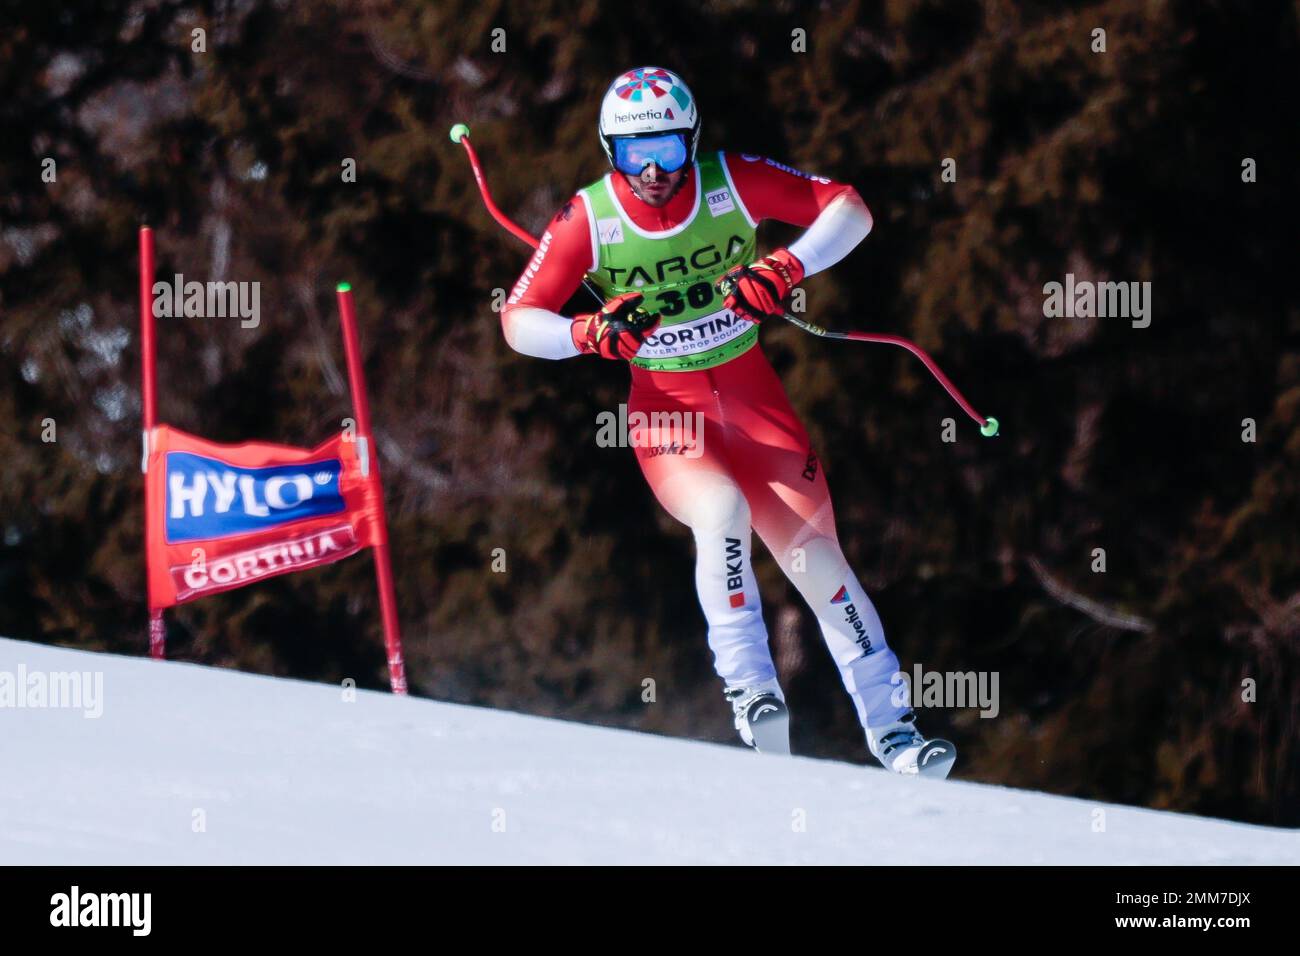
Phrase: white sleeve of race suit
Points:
(538, 332)
(839, 227)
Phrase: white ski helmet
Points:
(648, 100)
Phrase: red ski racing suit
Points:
(753, 466)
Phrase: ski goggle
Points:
(634, 153)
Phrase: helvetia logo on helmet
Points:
(643, 116)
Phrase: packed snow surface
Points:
(188, 764)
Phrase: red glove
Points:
(617, 330)
(757, 291)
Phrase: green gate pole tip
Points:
(458, 131)
(345, 287)
(990, 427)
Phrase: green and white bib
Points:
(675, 270)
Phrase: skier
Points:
(661, 236)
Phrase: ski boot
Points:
(761, 717)
(902, 749)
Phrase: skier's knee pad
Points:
(721, 512)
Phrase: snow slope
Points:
(281, 771)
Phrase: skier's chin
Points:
(657, 193)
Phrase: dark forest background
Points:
(1125, 165)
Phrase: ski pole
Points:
(460, 134)
(988, 424)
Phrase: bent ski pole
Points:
(460, 134)
(988, 424)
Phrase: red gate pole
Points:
(149, 403)
(370, 460)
